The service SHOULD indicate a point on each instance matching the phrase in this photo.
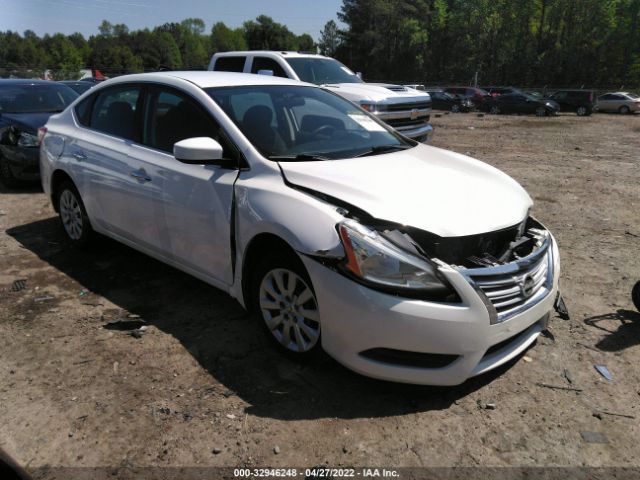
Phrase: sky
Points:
(84, 16)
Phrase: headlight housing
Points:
(27, 140)
(381, 264)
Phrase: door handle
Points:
(140, 175)
(79, 156)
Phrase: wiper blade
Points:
(302, 157)
(383, 149)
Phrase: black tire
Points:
(264, 275)
(74, 220)
(6, 176)
(583, 111)
(455, 108)
(541, 112)
(624, 110)
(635, 295)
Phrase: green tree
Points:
(329, 39)
(225, 39)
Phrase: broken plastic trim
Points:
(560, 307)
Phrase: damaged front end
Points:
(510, 269)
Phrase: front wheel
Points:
(624, 110)
(6, 175)
(73, 215)
(495, 110)
(455, 108)
(635, 295)
(541, 112)
(285, 302)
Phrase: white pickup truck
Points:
(405, 109)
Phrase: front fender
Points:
(264, 204)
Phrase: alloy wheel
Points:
(455, 108)
(581, 111)
(624, 110)
(495, 110)
(541, 112)
(289, 309)
(71, 214)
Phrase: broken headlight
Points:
(27, 140)
(375, 260)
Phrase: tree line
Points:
(507, 42)
(116, 50)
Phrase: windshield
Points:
(35, 98)
(293, 123)
(633, 95)
(322, 71)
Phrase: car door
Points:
(195, 226)
(119, 193)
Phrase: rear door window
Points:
(230, 64)
(117, 112)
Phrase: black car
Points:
(25, 106)
(580, 101)
(520, 103)
(441, 100)
(78, 86)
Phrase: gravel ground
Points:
(203, 387)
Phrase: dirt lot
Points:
(202, 387)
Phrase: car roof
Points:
(280, 53)
(25, 81)
(208, 79)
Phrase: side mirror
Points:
(266, 72)
(198, 150)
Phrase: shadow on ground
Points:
(626, 335)
(226, 341)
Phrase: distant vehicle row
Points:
(514, 100)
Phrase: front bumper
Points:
(423, 133)
(24, 162)
(357, 319)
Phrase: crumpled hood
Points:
(358, 92)
(26, 121)
(435, 190)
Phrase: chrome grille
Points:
(514, 287)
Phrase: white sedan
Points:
(402, 261)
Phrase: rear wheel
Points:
(624, 110)
(583, 111)
(284, 301)
(73, 216)
(494, 110)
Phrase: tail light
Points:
(42, 131)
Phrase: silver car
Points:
(621, 102)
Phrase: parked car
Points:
(26, 105)
(318, 217)
(405, 109)
(497, 91)
(78, 86)
(441, 100)
(476, 95)
(620, 102)
(580, 101)
(520, 103)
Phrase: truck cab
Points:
(405, 109)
